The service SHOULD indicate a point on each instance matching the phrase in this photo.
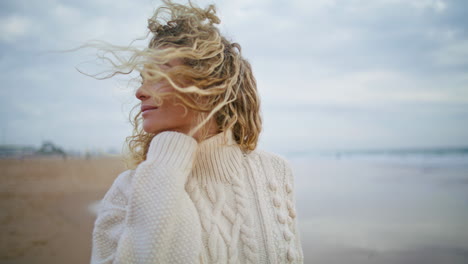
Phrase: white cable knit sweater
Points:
(202, 202)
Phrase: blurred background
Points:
(368, 100)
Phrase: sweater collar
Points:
(218, 159)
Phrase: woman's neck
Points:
(210, 129)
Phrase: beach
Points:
(45, 216)
(349, 211)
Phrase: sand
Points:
(45, 216)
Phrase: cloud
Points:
(436, 5)
(66, 14)
(453, 54)
(13, 27)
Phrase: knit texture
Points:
(202, 202)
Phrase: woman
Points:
(198, 191)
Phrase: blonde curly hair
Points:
(222, 86)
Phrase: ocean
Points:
(382, 207)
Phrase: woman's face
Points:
(171, 115)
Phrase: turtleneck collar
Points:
(218, 159)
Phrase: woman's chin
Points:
(149, 129)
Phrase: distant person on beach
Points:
(197, 190)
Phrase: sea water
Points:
(383, 207)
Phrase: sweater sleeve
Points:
(148, 217)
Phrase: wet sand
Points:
(384, 213)
(44, 216)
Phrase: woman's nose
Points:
(141, 94)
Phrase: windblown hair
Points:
(221, 85)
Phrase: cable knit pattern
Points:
(202, 202)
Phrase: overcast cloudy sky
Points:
(331, 74)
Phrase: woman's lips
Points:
(146, 111)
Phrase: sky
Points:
(332, 75)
